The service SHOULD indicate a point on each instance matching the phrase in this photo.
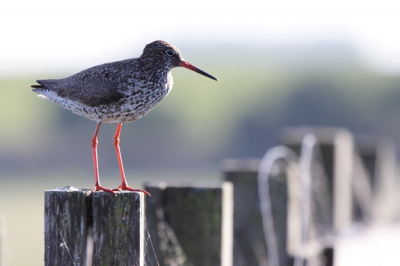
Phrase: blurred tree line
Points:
(260, 91)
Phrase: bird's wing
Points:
(91, 90)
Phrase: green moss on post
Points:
(95, 229)
(118, 230)
(190, 223)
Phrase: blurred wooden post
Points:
(190, 223)
(378, 155)
(249, 242)
(93, 229)
(337, 152)
(337, 155)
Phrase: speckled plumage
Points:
(118, 92)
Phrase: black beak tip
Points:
(208, 75)
(195, 69)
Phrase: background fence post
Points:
(378, 155)
(249, 242)
(337, 154)
(190, 223)
(333, 199)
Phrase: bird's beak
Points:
(195, 69)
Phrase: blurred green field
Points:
(201, 122)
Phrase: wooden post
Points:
(118, 228)
(249, 241)
(190, 223)
(66, 225)
(83, 228)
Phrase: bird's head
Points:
(169, 55)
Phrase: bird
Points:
(117, 93)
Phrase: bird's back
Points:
(114, 92)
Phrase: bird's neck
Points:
(156, 70)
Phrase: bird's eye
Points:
(170, 52)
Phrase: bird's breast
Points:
(140, 96)
(140, 99)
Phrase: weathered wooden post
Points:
(118, 228)
(190, 223)
(249, 241)
(83, 228)
(66, 226)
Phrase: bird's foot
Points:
(126, 187)
(98, 188)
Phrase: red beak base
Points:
(195, 69)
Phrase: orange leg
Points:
(124, 185)
(95, 142)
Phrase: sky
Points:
(44, 35)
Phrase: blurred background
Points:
(279, 64)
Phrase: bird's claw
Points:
(126, 187)
(98, 188)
